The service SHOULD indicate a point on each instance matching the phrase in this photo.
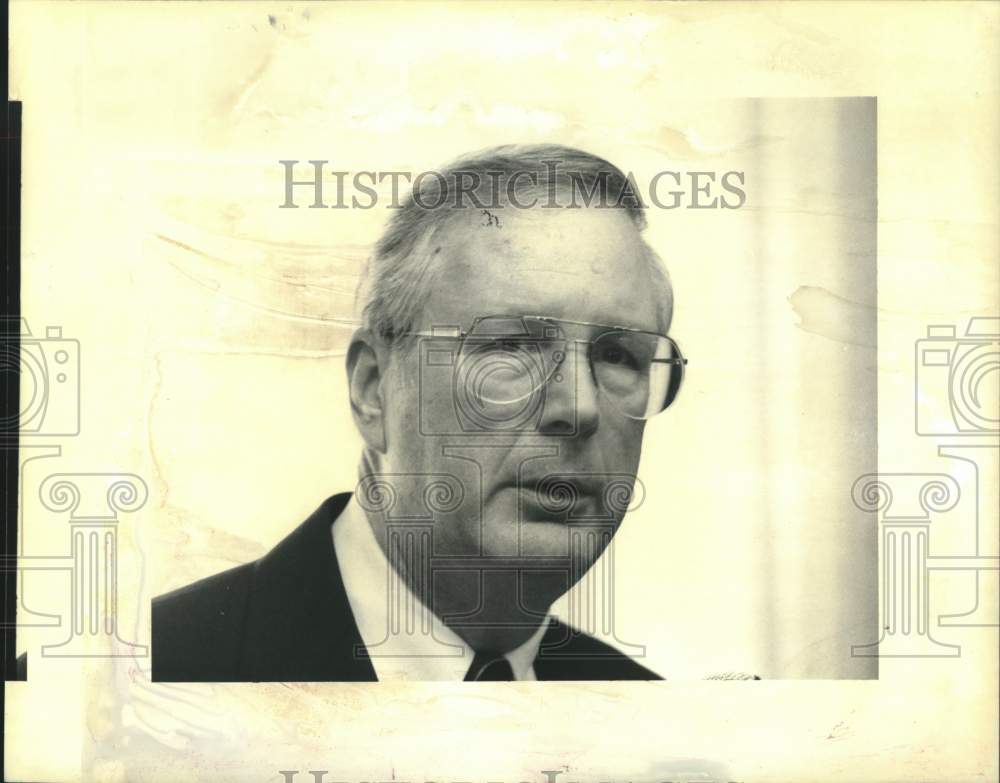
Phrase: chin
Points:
(531, 533)
(547, 540)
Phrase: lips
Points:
(555, 483)
(559, 500)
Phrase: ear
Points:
(365, 370)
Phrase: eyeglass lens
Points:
(506, 359)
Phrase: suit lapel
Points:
(569, 654)
(299, 625)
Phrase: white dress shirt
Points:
(415, 653)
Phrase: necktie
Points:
(489, 667)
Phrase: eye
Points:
(613, 356)
(617, 356)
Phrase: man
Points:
(513, 344)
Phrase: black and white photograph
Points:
(470, 393)
(513, 340)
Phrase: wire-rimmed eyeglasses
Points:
(505, 359)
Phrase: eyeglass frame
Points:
(458, 333)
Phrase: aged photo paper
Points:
(223, 246)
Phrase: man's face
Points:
(578, 265)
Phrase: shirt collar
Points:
(424, 650)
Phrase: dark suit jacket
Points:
(286, 618)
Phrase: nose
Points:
(571, 404)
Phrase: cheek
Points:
(400, 401)
(411, 387)
(622, 440)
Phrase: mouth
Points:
(563, 502)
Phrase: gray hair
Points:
(397, 279)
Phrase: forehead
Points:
(584, 264)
